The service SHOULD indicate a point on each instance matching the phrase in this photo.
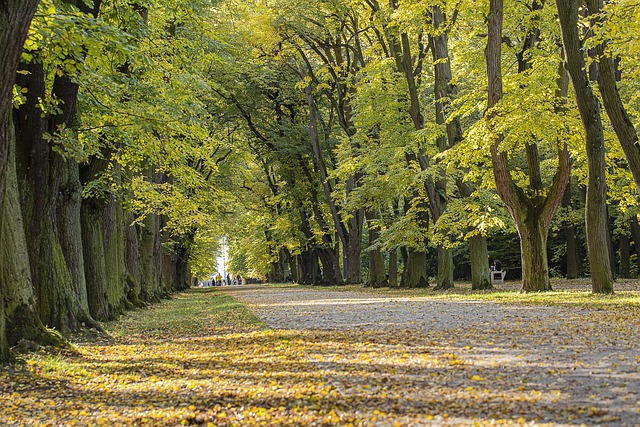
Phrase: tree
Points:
(588, 105)
(15, 18)
(532, 215)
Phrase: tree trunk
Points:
(182, 280)
(5, 354)
(480, 277)
(19, 301)
(94, 259)
(328, 266)
(15, 18)
(570, 238)
(414, 274)
(293, 265)
(70, 232)
(596, 211)
(635, 234)
(445, 268)
(132, 260)
(354, 247)
(169, 264)
(393, 268)
(309, 269)
(625, 255)
(300, 278)
(149, 259)
(114, 251)
(612, 252)
(377, 276)
(39, 171)
(535, 266)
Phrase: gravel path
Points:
(588, 358)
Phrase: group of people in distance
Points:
(218, 280)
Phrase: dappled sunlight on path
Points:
(202, 359)
(581, 363)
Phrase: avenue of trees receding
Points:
(401, 143)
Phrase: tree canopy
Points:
(401, 143)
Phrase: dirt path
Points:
(525, 364)
(327, 358)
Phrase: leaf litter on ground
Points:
(202, 358)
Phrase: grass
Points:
(192, 311)
(566, 292)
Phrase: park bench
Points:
(497, 276)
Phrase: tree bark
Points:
(596, 211)
(40, 171)
(309, 268)
(94, 259)
(331, 263)
(293, 265)
(132, 260)
(445, 268)
(533, 241)
(570, 238)
(68, 222)
(114, 251)
(5, 354)
(377, 276)
(19, 300)
(635, 235)
(393, 268)
(480, 277)
(625, 256)
(354, 246)
(414, 274)
(15, 18)
(150, 259)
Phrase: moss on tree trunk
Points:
(132, 260)
(150, 259)
(68, 208)
(94, 260)
(114, 252)
(20, 311)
